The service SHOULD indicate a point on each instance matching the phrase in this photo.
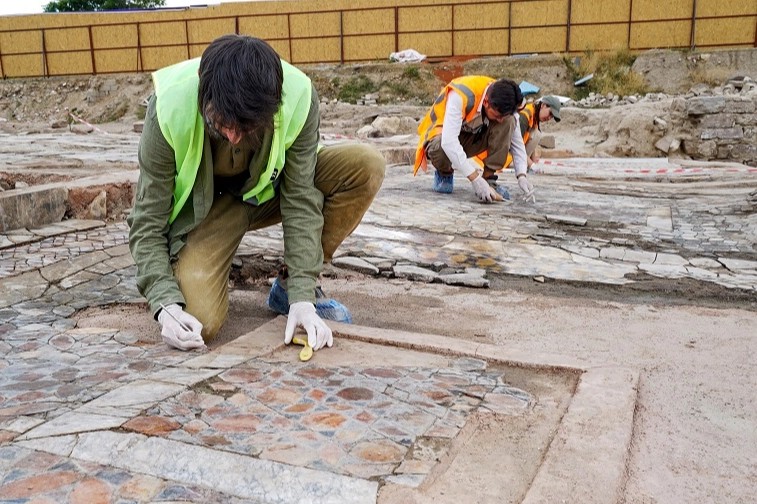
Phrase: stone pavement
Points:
(594, 220)
(100, 415)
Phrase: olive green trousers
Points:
(349, 176)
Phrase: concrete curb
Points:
(586, 461)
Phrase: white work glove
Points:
(527, 188)
(184, 338)
(302, 314)
(485, 192)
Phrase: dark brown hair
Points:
(240, 83)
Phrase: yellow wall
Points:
(313, 31)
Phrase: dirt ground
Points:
(695, 429)
(115, 102)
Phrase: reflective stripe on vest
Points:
(471, 90)
(180, 121)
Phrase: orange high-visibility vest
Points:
(529, 114)
(471, 89)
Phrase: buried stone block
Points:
(415, 273)
(355, 264)
(99, 201)
(705, 105)
(547, 141)
(722, 133)
(744, 151)
(705, 150)
(740, 105)
(668, 144)
(719, 121)
(32, 207)
(98, 209)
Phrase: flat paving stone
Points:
(566, 219)
(40, 477)
(738, 264)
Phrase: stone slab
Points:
(586, 461)
(450, 346)
(566, 219)
(738, 264)
(31, 207)
(660, 218)
(65, 268)
(73, 422)
(20, 288)
(131, 398)
(264, 481)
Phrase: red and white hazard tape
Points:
(79, 119)
(660, 171)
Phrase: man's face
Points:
(233, 134)
(493, 114)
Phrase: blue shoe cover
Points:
(443, 183)
(331, 309)
(327, 309)
(278, 300)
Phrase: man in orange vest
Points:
(472, 115)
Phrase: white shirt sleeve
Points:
(453, 123)
(518, 148)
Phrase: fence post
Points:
(630, 24)
(2, 71)
(289, 36)
(567, 26)
(452, 31)
(396, 28)
(692, 37)
(509, 27)
(92, 50)
(186, 36)
(140, 65)
(45, 67)
(341, 36)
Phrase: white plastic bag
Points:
(407, 56)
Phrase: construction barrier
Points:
(342, 31)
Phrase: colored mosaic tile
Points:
(364, 422)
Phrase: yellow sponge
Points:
(307, 351)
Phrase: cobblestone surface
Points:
(61, 387)
(96, 415)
